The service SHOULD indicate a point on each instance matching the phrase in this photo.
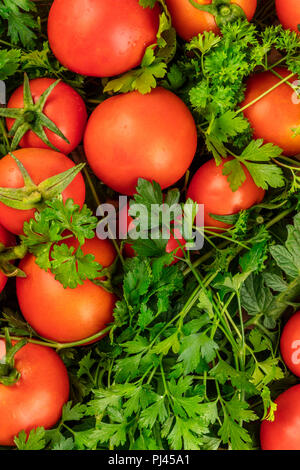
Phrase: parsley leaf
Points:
(9, 62)
(20, 25)
(72, 267)
(288, 257)
(44, 236)
(231, 432)
(35, 440)
(142, 79)
(264, 175)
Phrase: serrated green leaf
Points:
(35, 440)
(265, 175)
(142, 79)
(73, 413)
(164, 346)
(9, 62)
(235, 435)
(194, 347)
(257, 151)
(64, 444)
(139, 344)
(20, 22)
(275, 282)
(157, 411)
(255, 297)
(203, 42)
(85, 365)
(228, 125)
(235, 172)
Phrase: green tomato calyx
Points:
(31, 117)
(223, 10)
(9, 254)
(33, 196)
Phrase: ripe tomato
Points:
(6, 239)
(210, 187)
(281, 106)
(64, 107)
(189, 22)
(101, 38)
(173, 244)
(65, 315)
(288, 12)
(38, 396)
(133, 136)
(103, 250)
(290, 344)
(283, 432)
(40, 164)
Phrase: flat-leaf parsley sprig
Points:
(44, 237)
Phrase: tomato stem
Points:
(265, 93)
(58, 346)
(222, 245)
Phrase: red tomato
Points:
(133, 136)
(189, 22)
(288, 12)
(174, 241)
(40, 164)
(38, 396)
(103, 250)
(275, 115)
(290, 344)
(210, 187)
(283, 433)
(65, 315)
(64, 107)
(8, 240)
(101, 38)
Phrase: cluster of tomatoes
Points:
(128, 136)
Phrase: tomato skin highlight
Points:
(283, 432)
(40, 164)
(65, 315)
(189, 22)
(210, 187)
(64, 107)
(133, 136)
(38, 396)
(278, 106)
(290, 344)
(8, 240)
(288, 12)
(101, 38)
